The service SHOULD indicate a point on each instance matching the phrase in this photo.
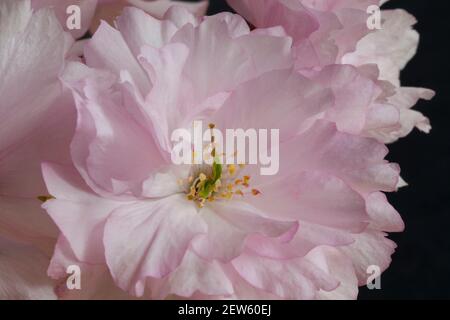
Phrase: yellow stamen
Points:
(217, 185)
(231, 169)
(45, 198)
(227, 195)
(201, 203)
(255, 192)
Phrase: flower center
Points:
(211, 183)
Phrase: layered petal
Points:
(158, 8)
(205, 231)
(31, 59)
(154, 238)
(288, 279)
(103, 132)
(64, 10)
(194, 276)
(37, 118)
(78, 212)
(96, 282)
(23, 274)
(229, 225)
(390, 48)
(371, 248)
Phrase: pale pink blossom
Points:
(328, 34)
(390, 49)
(22, 270)
(37, 122)
(37, 119)
(87, 8)
(158, 8)
(92, 11)
(36, 116)
(323, 31)
(304, 233)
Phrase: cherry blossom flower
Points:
(23, 272)
(92, 11)
(37, 116)
(86, 174)
(329, 34)
(37, 120)
(223, 231)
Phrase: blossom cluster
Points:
(86, 174)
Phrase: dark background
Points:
(421, 264)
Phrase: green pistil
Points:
(206, 187)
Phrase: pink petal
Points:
(361, 165)
(370, 248)
(291, 14)
(23, 273)
(332, 261)
(21, 183)
(42, 45)
(77, 211)
(229, 225)
(87, 8)
(194, 275)
(390, 48)
(158, 8)
(118, 57)
(307, 237)
(96, 282)
(354, 94)
(243, 58)
(154, 236)
(101, 147)
(289, 279)
(282, 100)
(134, 24)
(314, 197)
(383, 215)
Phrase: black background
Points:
(421, 264)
